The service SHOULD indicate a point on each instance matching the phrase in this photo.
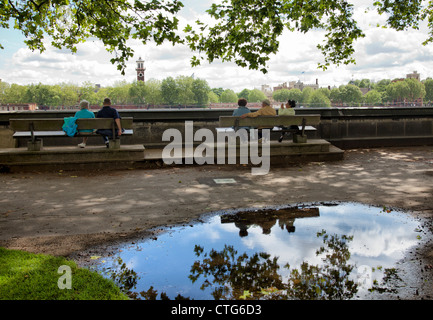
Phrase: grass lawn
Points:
(28, 276)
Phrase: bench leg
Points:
(298, 138)
(34, 145)
(114, 144)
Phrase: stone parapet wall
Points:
(344, 127)
(354, 133)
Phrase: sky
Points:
(382, 54)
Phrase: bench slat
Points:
(19, 134)
(230, 129)
(55, 124)
(107, 124)
(38, 124)
(268, 121)
(41, 134)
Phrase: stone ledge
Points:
(286, 151)
(63, 155)
(129, 156)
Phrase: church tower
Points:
(140, 69)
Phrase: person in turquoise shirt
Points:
(84, 113)
(241, 109)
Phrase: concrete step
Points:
(286, 151)
(63, 155)
(128, 156)
(333, 154)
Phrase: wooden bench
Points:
(275, 123)
(36, 129)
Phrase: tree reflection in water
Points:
(234, 276)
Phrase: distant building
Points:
(417, 102)
(281, 86)
(297, 85)
(314, 86)
(140, 69)
(267, 90)
(18, 106)
(414, 75)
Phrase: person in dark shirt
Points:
(108, 111)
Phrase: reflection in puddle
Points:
(266, 219)
(338, 251)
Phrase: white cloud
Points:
(91, 63)
(383, 53)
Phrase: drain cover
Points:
(223, 181)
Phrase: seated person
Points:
(84, 113)
(289, 110)
(109, 112)
(265, 110)
(242, 109)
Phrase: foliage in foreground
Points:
(245, 32)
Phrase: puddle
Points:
(339, 250)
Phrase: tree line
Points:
(383, 92)
(170, 91)
(184, 90)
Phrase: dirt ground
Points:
(66, 212)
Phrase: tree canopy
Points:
(69, 22)
(243, 31)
